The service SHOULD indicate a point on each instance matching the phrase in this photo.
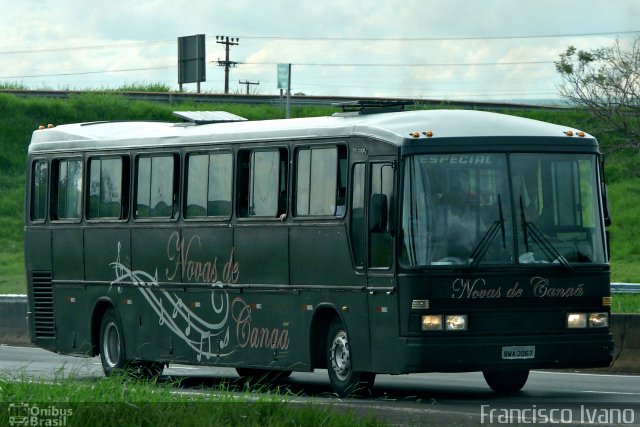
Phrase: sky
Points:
(478, 50)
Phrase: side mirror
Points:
(378, 208)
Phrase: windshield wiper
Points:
(480, 250)
(530, 229)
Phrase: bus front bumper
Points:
(465, 354)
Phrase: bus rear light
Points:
(432, 322)
(598, 320)
(606, 301)
(576, 320)
(456, 322)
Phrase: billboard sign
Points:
(191, 59)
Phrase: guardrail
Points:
(625, 288)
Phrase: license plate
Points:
(519, 352)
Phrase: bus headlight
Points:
(432, 322)
(576, 320)
(590, 320)
(456, 322)
(598, 320)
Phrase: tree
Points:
(606, 81)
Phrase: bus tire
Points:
(112, 350)
(507, 381)
(344, 380)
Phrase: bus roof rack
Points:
(208, 117)
(361, 107)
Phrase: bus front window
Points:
(456, 210)
(464, 209)
(556, 202)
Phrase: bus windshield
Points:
(465, 209)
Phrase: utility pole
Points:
(227, 42)
(247, 82)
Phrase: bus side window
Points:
(357, 213)
(209, 185)
(262, 183)
(39, 177)
(343, 164)
(380, 239)
(108, 188)
(321, 181)
(67, 189)
(156, 187)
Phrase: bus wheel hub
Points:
(340, 359)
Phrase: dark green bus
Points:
(363, 243)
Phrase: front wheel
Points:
(344, 379)
(508, 381)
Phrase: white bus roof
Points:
(395, 128)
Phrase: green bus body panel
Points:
(102, 245)
(262, 253)
(67, 250)
(37, 243)
(310, 265)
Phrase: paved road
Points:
(464, 399)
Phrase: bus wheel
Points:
(254, 375)
(112, 353)
(344, 379)
(508, 381)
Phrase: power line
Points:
(86, 47)
(331, 39)
(442, 64)
(444, 38)
(80, 73)
(306, 64)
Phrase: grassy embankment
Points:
(19, 117)
(126, 402)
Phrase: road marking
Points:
(629, 393)
(588, 375)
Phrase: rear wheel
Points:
(344, 379)
(112, 352)
(508, 381)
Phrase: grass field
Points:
(19, 117)
(126, 402)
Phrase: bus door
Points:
(381, 282)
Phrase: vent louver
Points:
(43, 319)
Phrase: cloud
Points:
(143, 37)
